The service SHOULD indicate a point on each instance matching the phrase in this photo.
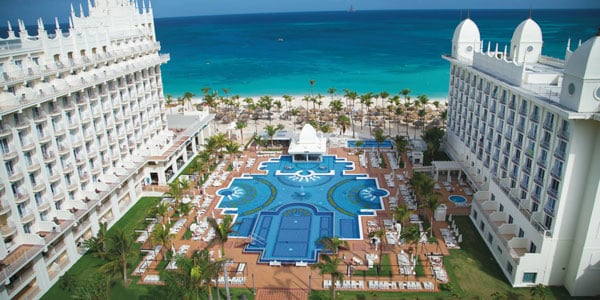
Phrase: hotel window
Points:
(510, 219)
(521, 233)
(529, 277)
(475, 214)
(534, 207)
(499, 249)
(501, 209)
(481, 225)
(509, 268)
(547, 222)
(490, 238)
(4, 146)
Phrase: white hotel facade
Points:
(526, 130)
(82, 129)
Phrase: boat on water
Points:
(351, 9)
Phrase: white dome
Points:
(308, 135)
(466, 31)
(585, 61)
(528, 31)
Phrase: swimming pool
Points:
(457, 198)
(285, 212)
(387, 144)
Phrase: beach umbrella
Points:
(456, 231)
(450, 217)
(460, 238)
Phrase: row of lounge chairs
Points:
(380, 285)
(232, 280)
(392, 160)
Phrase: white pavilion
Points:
(309, 146)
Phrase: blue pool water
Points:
(457, 199)
(285, 212)
(370, 144)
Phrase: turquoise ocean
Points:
(364, 51)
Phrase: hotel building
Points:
(83, 127)
(526, 130)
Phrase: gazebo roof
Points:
(308, 142)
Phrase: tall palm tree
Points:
(266, 102)
(187, 98)
(329, 265)
(176, 190)
(169, 101)
(343, 121)
(400, 142)
(380, 234)
(288, 99)
(97, 244)
(379, 138)
(431, 204)
(412, 235)
(240, 125)
(312, 84)
(332, 244)
(401, 214)
(272, 130)
(222, 231)
(232, 148)
(119, 248)
(161, 235)
(161, 211)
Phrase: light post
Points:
(253, 287)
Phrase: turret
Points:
(526, 43)
(11, 33)
(581, 83)
(466, 41)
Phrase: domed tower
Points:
(526, 43)
(466, 41)
(581, 83)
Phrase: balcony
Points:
(40, 118)
(44, 206)
(560, 153)
(27, 144)
(22, 123)
(49, 157)
(58, 195)
(15, 176)
(4, 209)
(27, 217)
(59, 130)
(8, 230)
(40, 186)
(33, 166)
(63, 149)
(563, 133)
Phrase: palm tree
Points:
(161, 235)
(401, 214)
(187, 97)
(379, 138)
(333, 244)
(169, 101)
(222, 231)
(312, 84)
(272, 130)
(161, 211)
(191, 275)
(343, 121)
(412, 235)
(288, 99)
(431, 204)
(336, 106)
(380, 234)
(266, 102)
(240, 125)
(400, 143)
(97, 245)
(119, 248)
(329, 265)
(331, 92)
(232, 148)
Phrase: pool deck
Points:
(295, 282)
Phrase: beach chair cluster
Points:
(250, 162)
(393, 202)
(198, 230)
(177, 226)
(405, 264)
(380, 285)
(345, 284)
(437, 268)
(401, 285)
(374, 159)
(362, 160)
(392, 160)
(232, 280)
(215, 179)
(371, 259)
(144, 234)
(449, 238)
(147, 260)
(372, 226)
(390, 180)
(152, 278)
(408, 198)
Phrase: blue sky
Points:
(29, 10)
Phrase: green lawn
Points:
(473, 272)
